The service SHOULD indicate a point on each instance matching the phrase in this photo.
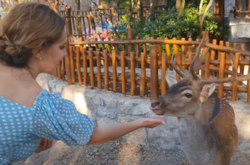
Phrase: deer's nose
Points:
(155, 104)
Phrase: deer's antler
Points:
(197, 63)
(184, 73)
(229, 79)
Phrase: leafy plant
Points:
(170, 25)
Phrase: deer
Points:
(206, 124)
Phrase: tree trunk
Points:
(204, 15)
(153, 4)
(140, 11)
(180, 4)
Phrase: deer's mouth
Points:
(156, 111)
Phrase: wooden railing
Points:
(100, 23)
(142, 71)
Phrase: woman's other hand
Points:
(44, 145)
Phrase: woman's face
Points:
(51, 57)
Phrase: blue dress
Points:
(51, 117)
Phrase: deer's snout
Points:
(155, 104)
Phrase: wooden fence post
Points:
(153, 73)
(123, 53)
(69, 34)
(221, 74)
(92, 22)
(163, 74)
(235, 83)
(114, 71)
(132, 63)
(79, 26)
(106, 70)
(68, 22)
(143, 74)
(67, 64)
(130, 46)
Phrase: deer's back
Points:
(221, 119)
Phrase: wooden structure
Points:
(100, 23)
(98, 66)
(219, 7)
(242, 8)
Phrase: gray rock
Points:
(89, 93)
(98, 101)
(126, 107)
(107, 112)
(171, 147)
(105, 121)
(122, 118)
(93, 117)
(110, 101)
(244, 147)
(141, 109)
(160, 135)
(137, 137)
(90, 105)
(128, 103)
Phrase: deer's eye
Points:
(188, 95)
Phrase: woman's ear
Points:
(37, 53)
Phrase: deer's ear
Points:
(171, 78)
(207, 91)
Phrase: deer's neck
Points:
(201, 116)
(197, 122)
(196, 137)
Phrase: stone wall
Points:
(106, 107)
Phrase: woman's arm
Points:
(112, 132)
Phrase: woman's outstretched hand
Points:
(152, 122)
(110, 132)
(44, 145)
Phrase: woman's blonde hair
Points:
(26, 27)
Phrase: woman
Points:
(32, 40)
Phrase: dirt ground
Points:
(115, 153)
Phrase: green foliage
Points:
(169, 25)
(126, 4)
(193, 3)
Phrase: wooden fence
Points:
(100, 23)
(142, 72)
